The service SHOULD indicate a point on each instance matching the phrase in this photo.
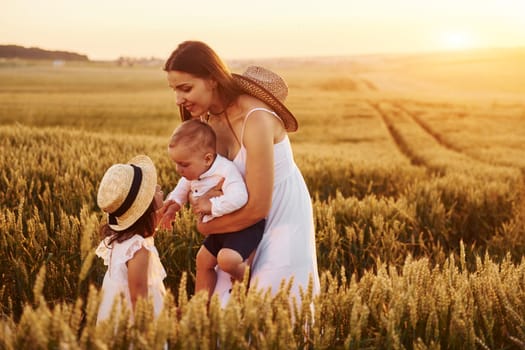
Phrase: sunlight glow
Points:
(270, 28)
(457, 40)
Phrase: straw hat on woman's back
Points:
(270, 88)
(126, 191)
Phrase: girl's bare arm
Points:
(138, 275)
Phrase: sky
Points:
(239, 29)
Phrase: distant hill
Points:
(35, 53)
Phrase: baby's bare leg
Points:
(206, 277)
(231, 262)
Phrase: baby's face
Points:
(189, 163)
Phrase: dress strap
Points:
(254, 110)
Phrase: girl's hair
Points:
(199, 60)
(144, 226)
(195, 134)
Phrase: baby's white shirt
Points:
(235, 194)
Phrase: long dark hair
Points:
(144, 226)
(198, 59)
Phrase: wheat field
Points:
(416, 168)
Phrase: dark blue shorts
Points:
(244, 242)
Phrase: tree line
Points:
(15, 51)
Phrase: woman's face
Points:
(194, 94)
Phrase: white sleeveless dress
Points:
(116, 277)
(288, 245)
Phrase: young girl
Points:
(130, 196)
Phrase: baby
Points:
(192, 148)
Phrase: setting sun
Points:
(457, 40)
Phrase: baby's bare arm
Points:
(167, 214)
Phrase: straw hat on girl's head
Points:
(269, 88)
(126, 191)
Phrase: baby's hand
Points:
(167, 214)
(202, 206)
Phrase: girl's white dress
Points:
(116, 278)
(288, 245)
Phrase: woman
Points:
(251, 122)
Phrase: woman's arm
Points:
(138, 275)
(258, 140)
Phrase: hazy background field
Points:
(404, 155)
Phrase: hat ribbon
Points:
(130, 198)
